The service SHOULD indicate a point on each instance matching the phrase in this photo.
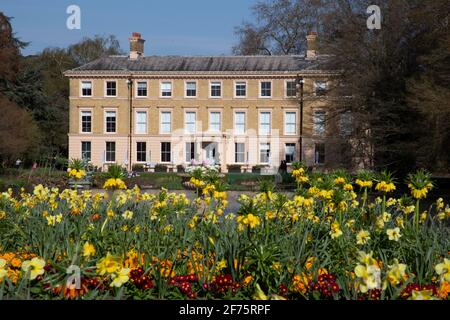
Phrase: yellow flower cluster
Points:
(113, 184)
(76, 174)
(249, 220)
(420, 193)
(368, 272)
(335, 231)
(385, 186)
(112, 265)
(197, 182)
(364, 183)
(299, 175)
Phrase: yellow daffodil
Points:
(362, 237)
(369, 275)
(335, 230)
(394, 234)
(259, 294)
(120, 277)
(422, 295)
(127, 215)
(34, 266)
(443, 270)
(109, 264)
(88, 250)
(3, 272)
(396, 273)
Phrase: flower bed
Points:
(328, 241)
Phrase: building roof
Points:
(200, 64)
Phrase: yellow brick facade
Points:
(202, 104)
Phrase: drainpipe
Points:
(130, 92)
(299, 86)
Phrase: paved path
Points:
(233, 196)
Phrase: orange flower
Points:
(247, 280)
(95, 217)
(444, 290)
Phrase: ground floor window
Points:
(239, 152)
(264, 152)
(110, 154)
(289, 152)
(319, 153)
(165, 152)
(141, 151)
(190, 151)
(86, 150)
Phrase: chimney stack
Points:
(311, 46)
(136, 46)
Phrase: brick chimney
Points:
(136, 46)
(311, 46)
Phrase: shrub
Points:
(160, 168)
(138, 167)
(257, 168)
(180, 168)
(234, 168)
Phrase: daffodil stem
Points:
(416, 214)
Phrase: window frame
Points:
(161, 123)
(286, 89)
(105, 122)
(191, 143)
(186, 123)
(243, 152)
(210, 89)
(136, 93)
(106, 152)
(259, 122)
(325, 90)
(90, 150)
(186, 89)
(316, 162)
(260, 89)
(161, 89)
(90, 110)
(286, 133)
(293, 154)
(245, 122)
(106, 89)
(166, 152)
(235, 89)
(220, 121)
(260, 152)
(315, 131)
(136, 121)
(140, 152)
(81, 89)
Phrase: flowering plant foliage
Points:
(329, 240)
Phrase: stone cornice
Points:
(199, 74)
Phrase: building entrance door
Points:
(211, 152)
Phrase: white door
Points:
(211, 153)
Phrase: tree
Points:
(19, 134)
(90, 49)
(281, 26)
(9, 53)
(377, 66)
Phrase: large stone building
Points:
(173, 110)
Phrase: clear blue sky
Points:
(170, 27)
